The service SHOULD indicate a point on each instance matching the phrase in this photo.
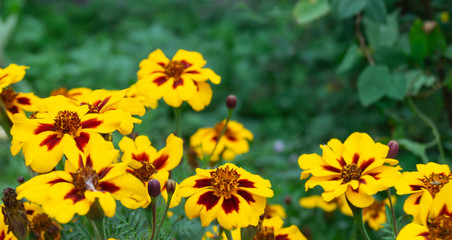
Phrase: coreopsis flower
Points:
(427, 180)
(75, 94)
(87, 177)
(316, 201)
(11, 74)
(42, 226)
(60, 127)
(182, 78)
(233, 196)
(4, 233)
(145, 163)
(102, 101)
(18, 102)
(233, 142)
(354, 168)
(271, 228)
(435, 221)
(132, 92)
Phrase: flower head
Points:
(233, 196)
(233, 142)
(11, 74)
(42, 226)
(181, 79)
(354, 168)
(75, 94)
(18, 102)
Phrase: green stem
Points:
(97, 224)
(153, 207)
(358, 217)
(228, 234)
(168, 202)
(394, 220)
(432, 125)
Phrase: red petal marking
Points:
(82, 140)
(13, 110)
(418, 200)
(416, 187)
(362, 180)
(231, 204)
(89, 162)
(208, 199)
(425, 235)
(331, 168)
(130, 170)
(51, 141)
(29, 212)
(245, 183)
(55, 181)
(186, 64)
(2, 234)
(91, 123)
(73, 196)
(200, 183)
(160, 162)
(103, 172)
(178, 82)
(160, 80)
(103, 103)
(80, 161)
(23, 100)
(355, 158)
(161, 64)
(231, 138)
(141, 157)
(367, 163)
(197, 86)
(192, 72)
(44, 127)
(109, 187)
(282, 237)
(374, 175)
(3, 76)
(341, 161)
(445, 211)
(246, 195)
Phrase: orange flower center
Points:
(8, 95)
(224, 181)
(175, 69)
(440, 228)
(85, 178)
(350, 172)
(59, 91)
(265, 233)
(92, 108)
(435, 182)
(41, 223)
(145, 172)
(67, 122)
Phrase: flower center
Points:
(435, 182)
(224, 181)
(85, 178)
(175, 69)
(8, 95)
(67, 122)
(440, 227)
(265, 233)
(350, 172)
(227, 133)
(41, 222)
(145, 172)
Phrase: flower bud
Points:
(154, 188)
(231, 101)
(21, 179)
(170, 186)
(15, 214)
(393, 149)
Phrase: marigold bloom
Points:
(316, 201)
(18, 102)
(87, 177)
(428, 180)
(435, 219)
(11, 74)
(75, 94)
(42, 226)
(233, 142)
(132, 92)
(230, 194)
(274, 210)
(146, 163)
(60, 127)
(355, 167)
(4, 234)
(177, 80)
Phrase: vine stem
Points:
(394, 220)
(432, 125)
(362, 40)
(358, 217)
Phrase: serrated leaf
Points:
(373, 83)
(382, 35)
(398, 88)
(416, 148)
(307, 11)
(376, 11)
(351, 57)
(349, 8)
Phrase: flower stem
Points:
(228, 234)
(358, 217)
(170, 196)
(153, 208)
(221, 134)
(394, 220)
(97, 225)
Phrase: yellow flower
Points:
(86, 177)
(435, 219)
(233, 142)
(317, 201)
(146, 163)
(132, 92)
(177, 80)
(427, 180)
(233, 196)
(75, 94)
(375, 214)
(274, 210)
(4, 235)
(60, 127)
(41, 224)
(11, 74)
(354, 168)
(18, 102)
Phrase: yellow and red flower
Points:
(181, 79)
(233, 196)
(42, 226)
(354, 168)
(75, 94)
(60, 127)
(233, 142)
(145, 163)
(132, 92)
(427, 180)
(316, 201)
(20, 103)
(11, 74)
(86, 177)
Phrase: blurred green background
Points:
(295, 66)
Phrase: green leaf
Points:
(348, 8)
(307, 11)
(416, 148)
(418, 42)
(373, 84)
(376, 11)
(435, 40)
(398, 88)
(448, 52)
(417, 79)
(382, 35)
(390, 56)
(351, 57)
